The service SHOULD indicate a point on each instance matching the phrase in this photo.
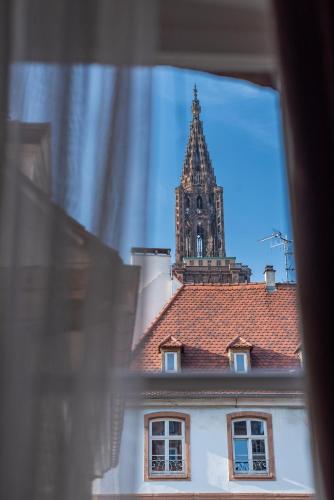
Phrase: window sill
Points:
(169, 477)
(252, 477)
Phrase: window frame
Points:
(165, 354)
(257, 476)
(166, 416)
(238, 350)
(245, 356)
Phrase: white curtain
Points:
(67, 300)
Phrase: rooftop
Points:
(207, 318)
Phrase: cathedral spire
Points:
(199, 216)
(196, 107)
(201, 227)
(197, 167)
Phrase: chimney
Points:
(269, 278)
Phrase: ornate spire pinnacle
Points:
(196, 107)
(197, 168)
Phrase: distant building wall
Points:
(209, 455)
(156, 285)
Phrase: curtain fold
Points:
(67, 299)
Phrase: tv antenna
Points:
(279, 240)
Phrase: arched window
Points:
(187, 203)
(214, 238)
(250, 445)
(199, 242)
(167, 438)
(199, 202)
(188, 243)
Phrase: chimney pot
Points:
(269, 278)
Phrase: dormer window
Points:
(171, 350)
(300, 356)
(170, 362)
(299, 353)
(239, 353)
(240, 362)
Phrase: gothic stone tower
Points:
(200, 239)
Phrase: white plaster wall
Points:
(151, 266)
(208, 449)
(155, 289)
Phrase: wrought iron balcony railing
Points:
(159, 465)
(254, 466)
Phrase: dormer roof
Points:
(239, 343)
(170, 342)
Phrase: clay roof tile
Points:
(204, 318)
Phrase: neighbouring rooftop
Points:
(205, 319)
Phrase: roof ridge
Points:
(224, 285)
(255, 284)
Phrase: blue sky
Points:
(242, 126)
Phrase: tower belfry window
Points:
(199, 246)
(199, 242)
(188, 243)
(199, 202)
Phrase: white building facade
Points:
(207, 457)
(217, 444)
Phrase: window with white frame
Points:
(170, 361)
(250, 446)
(240, 362)
(166, 446)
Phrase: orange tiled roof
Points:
(207, 318)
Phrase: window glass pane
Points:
(258, 446)
(158, 428)
(240, 362)
(158, 456)
(241, 463)
(257, 428)
(240, 428)
(175, 455)
(175, 428)
(170, 361)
